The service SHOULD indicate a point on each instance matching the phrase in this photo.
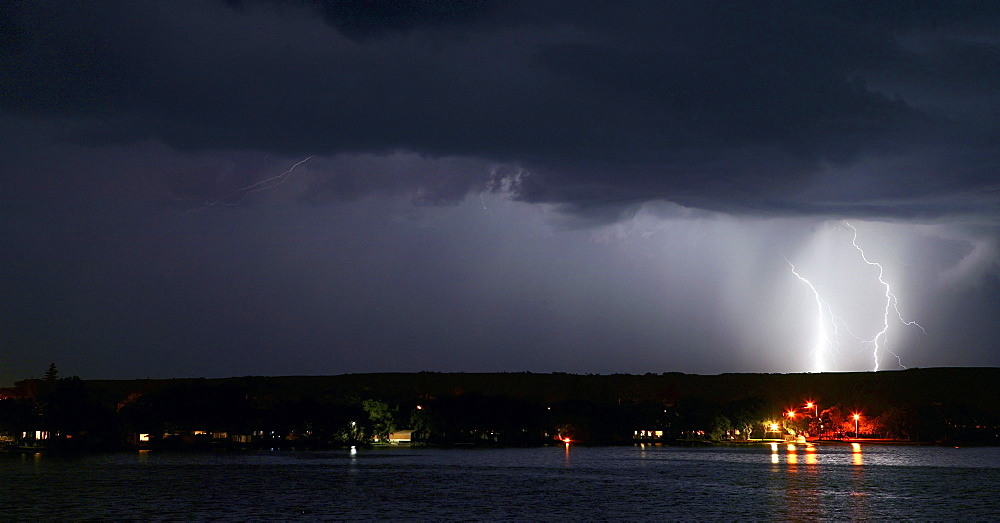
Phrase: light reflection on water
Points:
(786, 482)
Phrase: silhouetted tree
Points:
(720, 427)
(746, 415)
(592, 422)
(52, 373)
(17, 415)
(833, 420)
(895, 423)
(696, 415)
(381, 418)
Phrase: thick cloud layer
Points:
(583, 186)
(753, 106)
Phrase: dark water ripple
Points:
(826, 482)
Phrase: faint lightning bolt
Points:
(267, 183)
(890, 301)
(485, 209)
(823, 309)
(263, 185)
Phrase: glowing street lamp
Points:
(856, 418)
(816, 421)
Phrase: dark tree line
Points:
(61, 411)
(319, 412)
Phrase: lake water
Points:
(823, 482)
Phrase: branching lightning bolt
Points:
(890, 301)
(828, 333)
(822, 308)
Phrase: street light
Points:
(856, 418)
(816, 421)
(789, 426)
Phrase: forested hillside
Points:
(944, 404)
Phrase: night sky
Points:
(228, 188)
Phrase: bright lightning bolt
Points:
(890, 301)
(823, 340)
(828, 333)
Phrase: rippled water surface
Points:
(826, 481)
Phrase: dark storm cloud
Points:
(719, 105)
(685, 147)
(363, 19)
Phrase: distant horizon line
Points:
(881, 371)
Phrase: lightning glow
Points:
(825, 343)
(890, 302)
(827, 330)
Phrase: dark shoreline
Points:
(945, 406)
